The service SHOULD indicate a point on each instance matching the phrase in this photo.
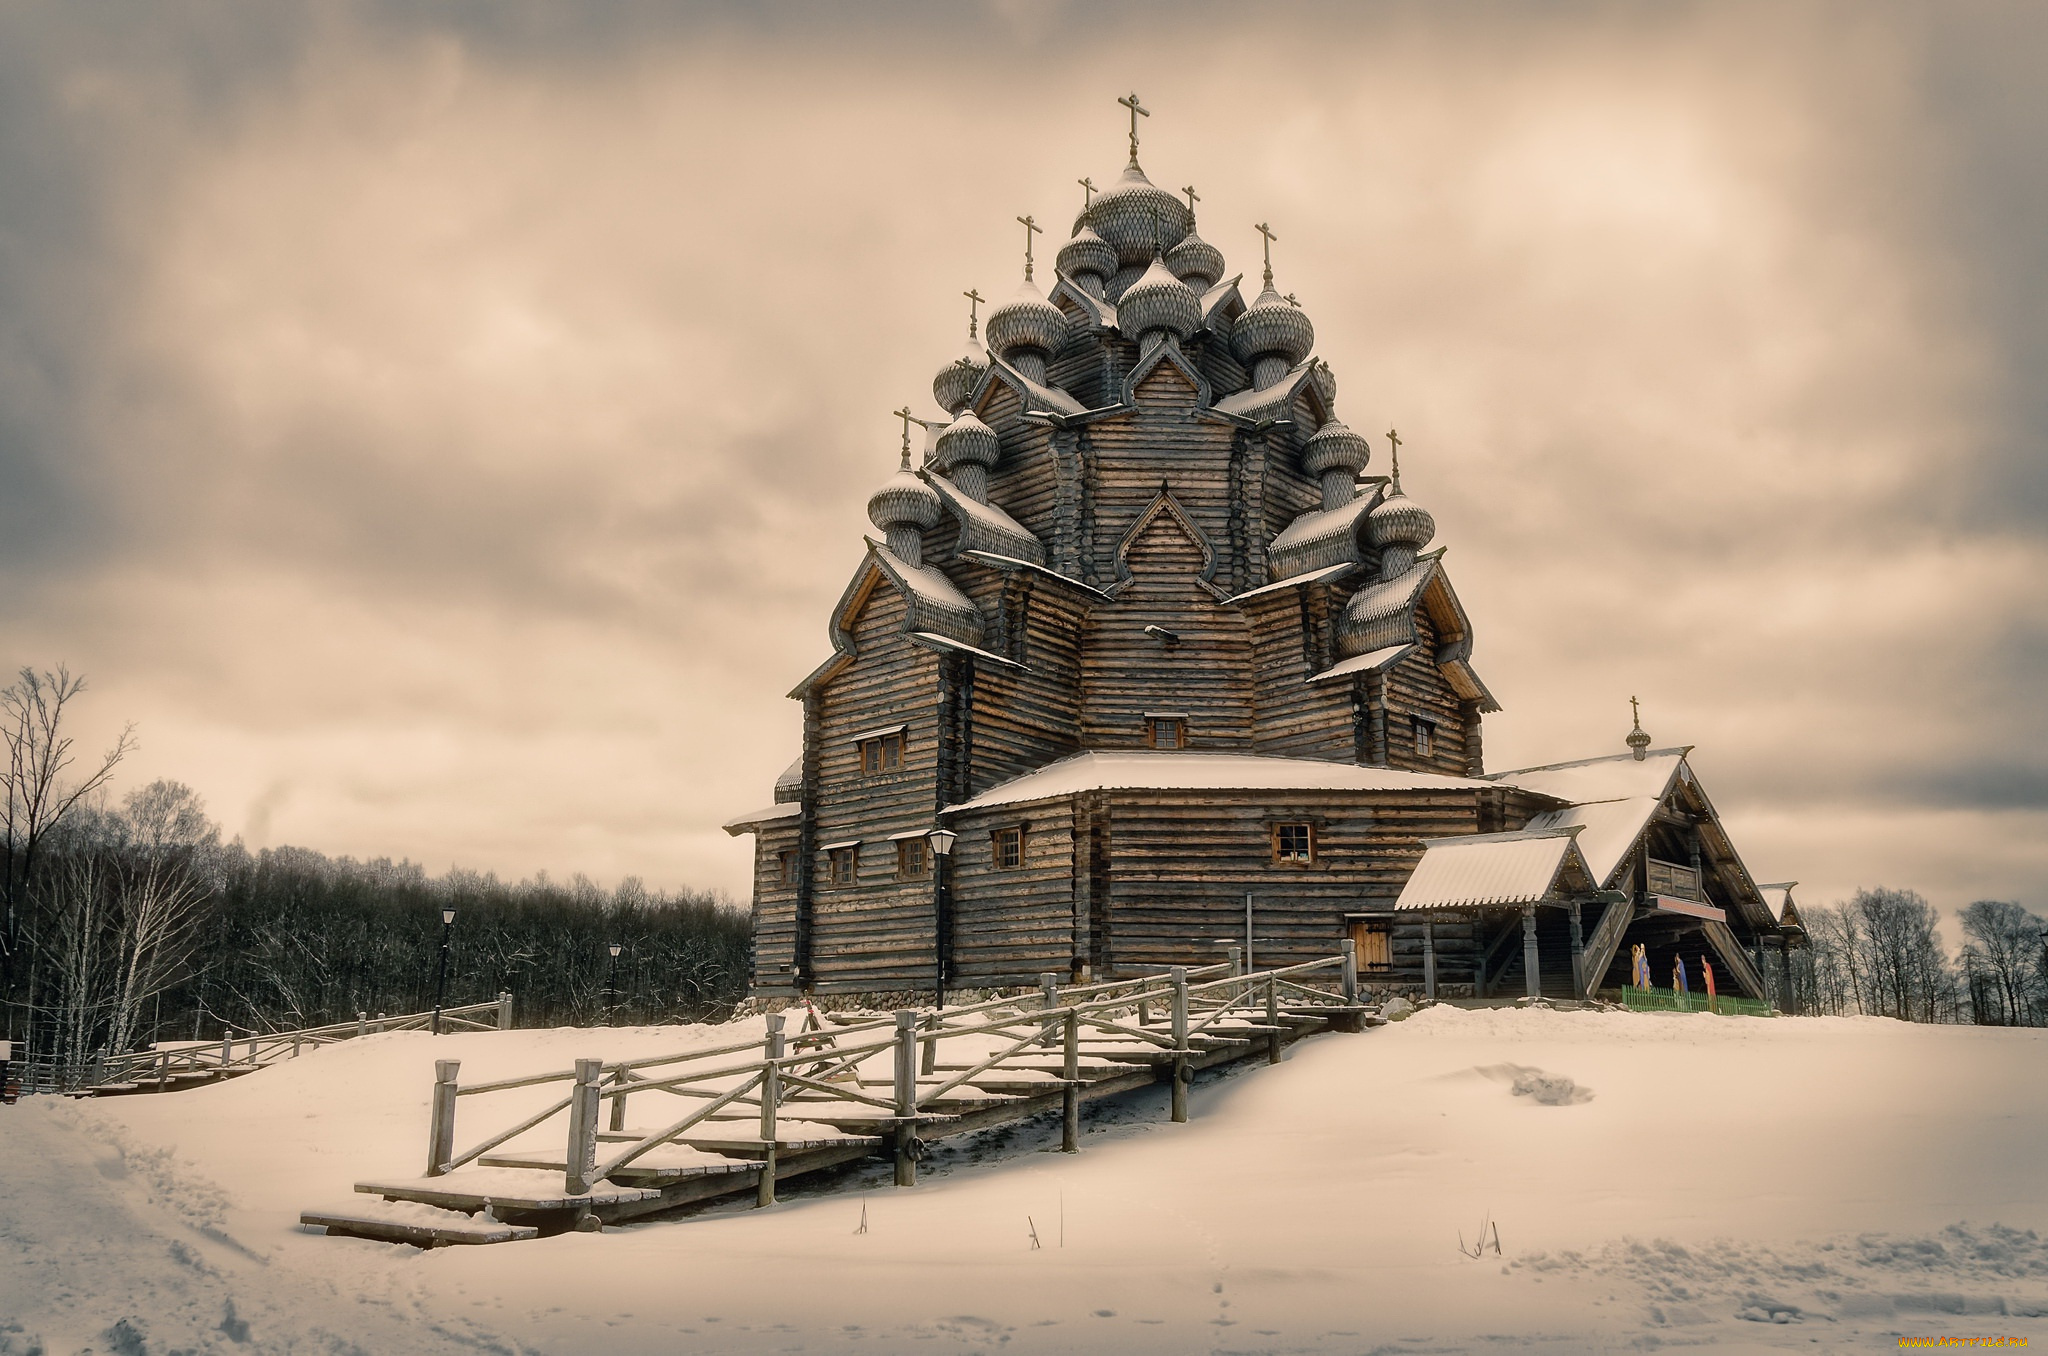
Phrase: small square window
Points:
(1007, 848)
(1425, 737)
(913, 859)
(785, 868)
(1166, 732)
(844, 862)
(1294, 844)
(1374, 941)
(883, 753)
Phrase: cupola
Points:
(1335, 455)
(1273, 334)
(1638, 740)
(904, 507)
(1194, 260)
(965, 451)
(1088, 260)
(1027, 329)
(955, 382)
(1157, 305)
(1398, 526)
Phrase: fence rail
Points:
(852, 1080)
(1672, 1000)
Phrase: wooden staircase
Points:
(837, 1092)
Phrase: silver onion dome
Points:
(1026, 321)
(905, 501)
(1087, 257)
(966, 448)
(1272, 327)
(956, 381)
(1158, 301)
(1129, 212)
(1335, 455)
(1197, 262)
(1399, 527)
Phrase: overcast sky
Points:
(444, 429)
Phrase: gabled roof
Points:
(1035, 395)
(1616, 777)
(984, 527)
(1100, 313)
(1166, 353)
(789, 786)
(1221, 306)
(748, 823)
(1383, 614)
(1275, 401)
(1362, 663)
(1203, 772)
(1608, 831)
(1320, 538)
(1493, 869)
(934, 604)
(1381, 618)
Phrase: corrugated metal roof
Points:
(1619, 777)
(1488, 868)
(1608, 829)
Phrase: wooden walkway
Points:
(167, 1068)
(747, 1117)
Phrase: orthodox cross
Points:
(974, 299)
(906, 416)
(1636, 710)
(1293, 301)
(1138, 111)
(1087, 191)
(1031, 228)
(1193, 198)
(1394, 442)
(1267, 231)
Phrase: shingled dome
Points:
(1086, 256)
(1197, 262)
(955, 382)
(905, 501)
(1273, 326)
(1399, 521)
(1027, 321)
(967, 441)
(1159, 301)
(1128, 212)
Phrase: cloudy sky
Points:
(443, 430)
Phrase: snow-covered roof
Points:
(1363, 663)
(1489, 868)
(1609, 830)
(1619, 777)
(1275, 401)
(740, 824)
(1383, 614)
(790, 785)
(1204, 772)
(1777, 897)
(1295, 581)
(1036, 395)
(984, 527)
(937, 604)
(1319, 538)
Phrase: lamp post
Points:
(611, 992)
(941, 840)
(441, 970)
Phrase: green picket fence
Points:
(1670, 1000)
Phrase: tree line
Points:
(123, 923)
(1881, 953)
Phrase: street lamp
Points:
(441, 971)
(941, 840)
(611, 992)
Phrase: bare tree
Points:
(2004, 955)
(38, 797)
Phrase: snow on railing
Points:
(787, 1080)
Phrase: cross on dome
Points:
(974, 300)
(1138, 111)
(1088, 191)
(1031, 228)
(1394, 453)
(1267, 231)
(1193, 197)
(906, 416)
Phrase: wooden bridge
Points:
(166, 1068)
(759, 1113)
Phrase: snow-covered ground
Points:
(1797, 1184)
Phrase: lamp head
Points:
(615, 948)
(942, 840)
(448, 917)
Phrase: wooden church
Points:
(1144, 664)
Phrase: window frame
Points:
(881, 754)
(850, 854)
(1422, 732)
(1012, 834)
(905, 847)
(785, 868)
(1172, 720)
(1278, 828)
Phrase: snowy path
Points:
(1691, 1181)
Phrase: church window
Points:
(1294, 844)
(1007, 848)
(785, 868)
(912, 859)
(1374, 940)
(1166, 732)
(881, 753)
(843, 862)
(1425, 737)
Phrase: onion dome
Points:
(1272, 327)
(1196, 261)
(904, 508)
(1027, 322)
(1129, 212)
(1638, 740)
(1399, 527)
(956, 381)
(1158, 301)
(1335, 456)
(1088, 260)
(966, 448)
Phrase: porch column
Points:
(1578, 955)
(1535, 980)
(1429, 958)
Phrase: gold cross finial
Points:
(1394, 442)
(906, 416)
(1267, 231)
(1031, 228)
(974, 299)
(1138, 111)
(1087, 191)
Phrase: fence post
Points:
(227, 1049)
(1070, 1070)
(771, 1097)
(618, 1120)
(583, 1098)
(441, 1125)
(1429, 958)
(906, 1098)
(1049, 986)
(1181, 1073)
(930, 1061)
(504, 1009)
(362, 1024)
(1350, 972)
(1236, 961)
(1272, 1019)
